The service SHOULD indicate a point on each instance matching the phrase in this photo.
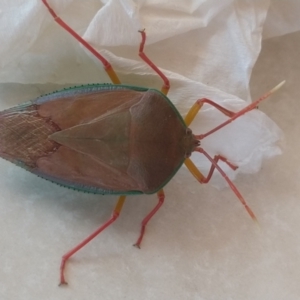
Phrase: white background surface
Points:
(201, 244)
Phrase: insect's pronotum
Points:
(109, 139)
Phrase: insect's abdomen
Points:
(102, 139)
(24, 135)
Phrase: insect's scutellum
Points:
(110, 139)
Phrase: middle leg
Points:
(166, 86)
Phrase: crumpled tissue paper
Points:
(207, 48)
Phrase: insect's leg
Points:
(205, 179)
(113, 217)
(232, 115)
(107, 66)
(166, 86)
(161, 198)
(202, 179)
(198, 105)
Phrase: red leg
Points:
(238, 114)
(107, 66)
(198, 105)
(222, 109)
(161, 198)
(165, 88)
(213, 167)
(65, 257)
(201, 178)
(232, 115)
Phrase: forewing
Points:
(94, 147)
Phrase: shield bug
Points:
(109, 139)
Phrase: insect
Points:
(109, 139)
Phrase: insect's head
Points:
(190, 142)
(195, 142)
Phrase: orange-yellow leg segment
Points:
(166, 86)
(161, 198)
(107, 66)
(114, 216)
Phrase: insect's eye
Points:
(187, 154)
(188, 131)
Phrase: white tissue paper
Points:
(207, 48)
